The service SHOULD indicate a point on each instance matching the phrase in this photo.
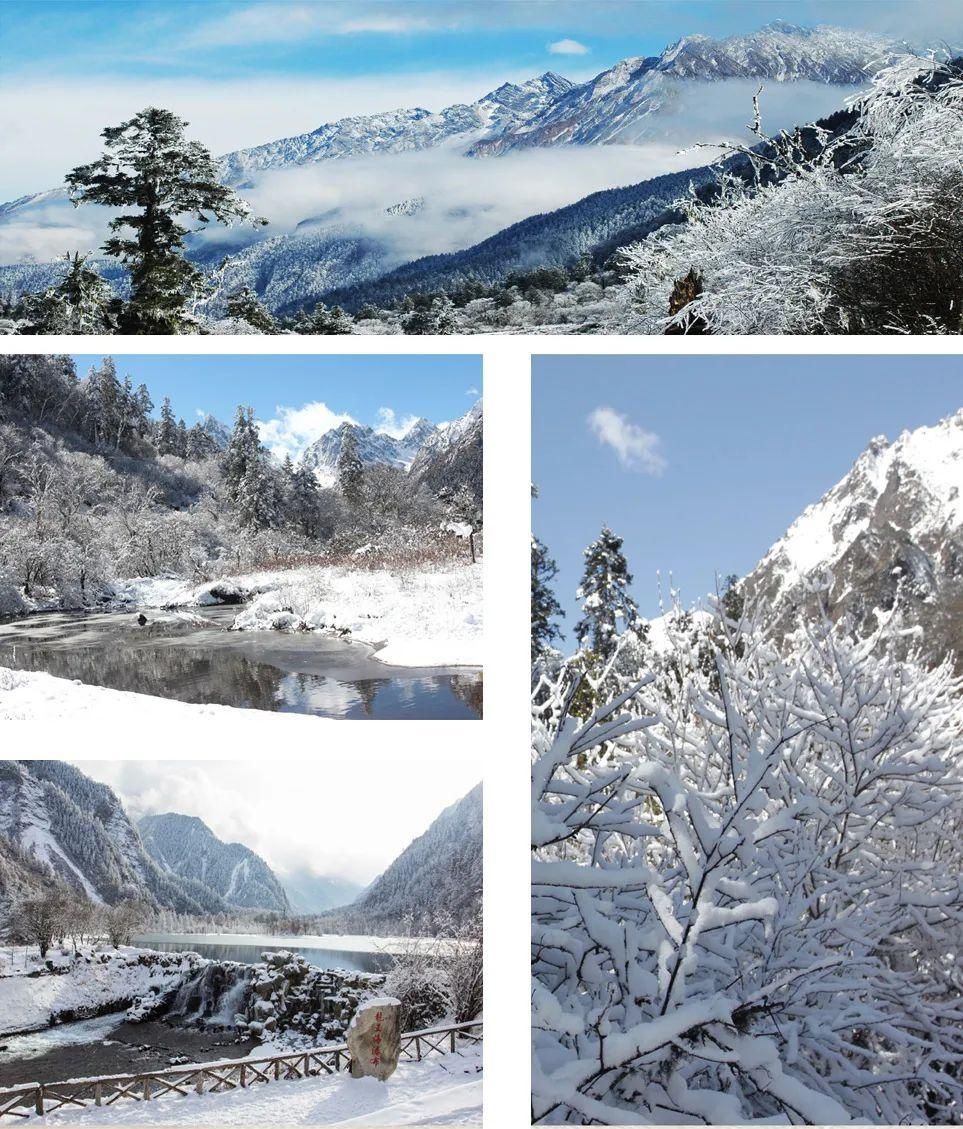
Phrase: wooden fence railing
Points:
(218, 1077)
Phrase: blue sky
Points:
(720, 454)
(302, 397)
(248, 72)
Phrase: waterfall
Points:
(212, 996)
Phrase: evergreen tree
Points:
(545, 606)
(349, 468)
(242, 449)
(438, 318)
(326, 321)
(166, 430)
(245, 305)
(80, 303)
(305, 501)
(152, 170)
(607, 607)
(180, 442)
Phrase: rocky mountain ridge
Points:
(890, 530)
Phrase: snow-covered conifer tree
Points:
(607, 607)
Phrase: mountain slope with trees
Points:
(435, 882)
(76, 833)
(184, 846)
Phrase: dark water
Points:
(250, 952)
(193, 657)
(108, 1045)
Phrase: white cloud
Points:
(389, 424)
(472, 392)
(334, 815)
(637, 449)
(294, 23)
(568, 47)
(293, 429)
(69, 113)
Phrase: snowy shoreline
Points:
(428, 618)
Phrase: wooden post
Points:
(452, 1036)
(471, 545)
(98, 1092)
(147, 1089)
(417, 1048)
(38, 1104)
(277, 1069)
(199, 1086)
(243, 1078)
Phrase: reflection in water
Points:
(251, 954)
(194, 658)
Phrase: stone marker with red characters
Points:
(374, 1038)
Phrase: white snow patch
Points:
(442, 1090)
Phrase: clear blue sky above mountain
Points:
(746, 442)
(437, 387)
(91, 37)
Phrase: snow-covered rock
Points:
(891, 527)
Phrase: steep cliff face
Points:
(891, 530)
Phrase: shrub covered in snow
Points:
(865, 238)
(746, 893)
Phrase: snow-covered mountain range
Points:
(698, 89)
(402, 130)
(891, 528)
(442, 456)
(185, 846)
(374, 447)
(68, 828)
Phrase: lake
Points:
(247, 949)
(193, 657)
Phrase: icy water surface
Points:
(249, 951)
(193, 657)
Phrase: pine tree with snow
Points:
(438, 318)
(245, 305)
(166, 429)
(305, 500)
(81, 302)
(607, 608)
(545, 605)
(350, 470)
(156, 177)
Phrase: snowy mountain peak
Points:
(893, 524)
(374, 447)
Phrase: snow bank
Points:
(97, 981)
(442, 1090)
(412, 618)
(35, 696)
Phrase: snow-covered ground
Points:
(413, 618)
(440, 1090)
(101, 978)
(29, 696)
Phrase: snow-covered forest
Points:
(109, 503)
(97, 486)
(746, 827)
